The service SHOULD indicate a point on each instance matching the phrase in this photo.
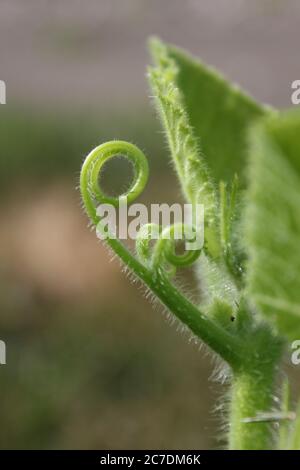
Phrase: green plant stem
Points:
(222, 342)
(252, 394)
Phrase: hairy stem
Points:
(252, 396)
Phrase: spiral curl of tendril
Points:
(164, 248)
(92, 192)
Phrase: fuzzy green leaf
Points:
(189, 162)
(272, 221)
(218, 111)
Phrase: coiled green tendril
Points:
(154, 265)
(164, 248)
(89, 180)
(93, 195)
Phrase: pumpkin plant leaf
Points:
(189, 162)
(218, 111)
(272, 221)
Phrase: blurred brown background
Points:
(90, 364)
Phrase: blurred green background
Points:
(90, 363)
